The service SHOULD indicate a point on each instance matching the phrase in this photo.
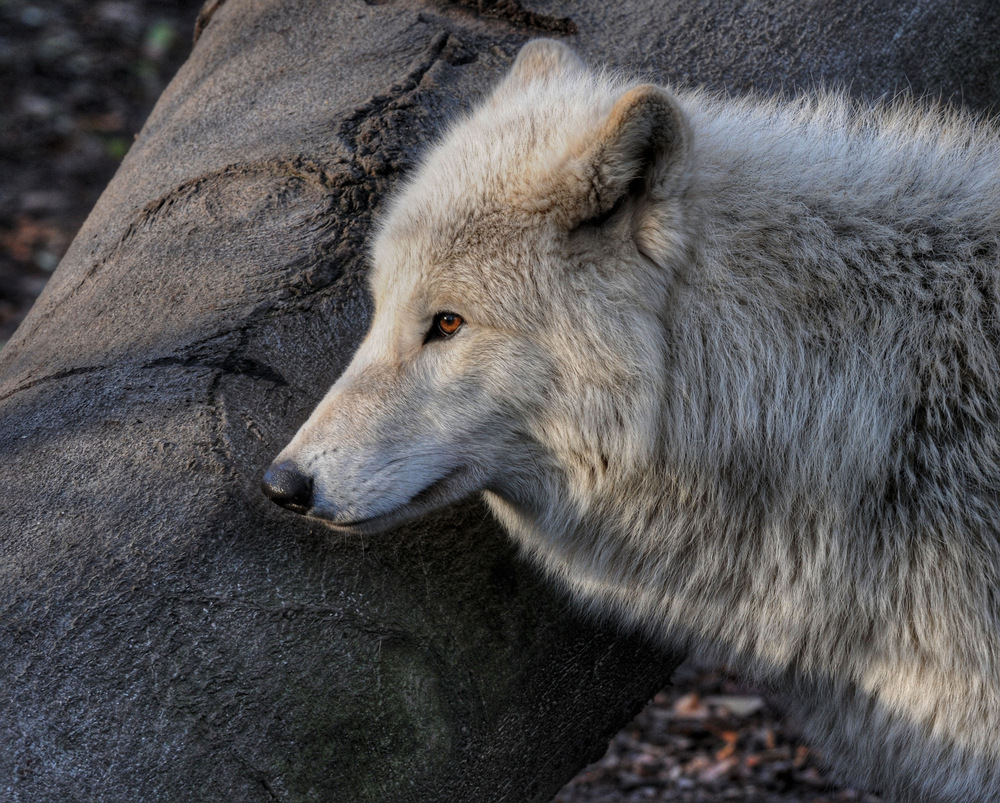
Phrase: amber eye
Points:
(445, 324)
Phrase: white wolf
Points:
(729, 370)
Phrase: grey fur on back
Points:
(823, 501)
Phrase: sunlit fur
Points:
(729, 371)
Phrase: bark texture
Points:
(167, 634)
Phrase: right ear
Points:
(543, 59)
(639, 156)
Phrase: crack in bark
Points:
(85, 369)
(256, 774)
(512, 12)
(230, 364)
(205, 16)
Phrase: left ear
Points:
(543, 60)
(640, 156)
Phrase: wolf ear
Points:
(639, 158)
(541, 59)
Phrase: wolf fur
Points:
(728, 369)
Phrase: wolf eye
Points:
(445, 325)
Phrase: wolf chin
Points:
(729, 370)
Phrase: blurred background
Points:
(77, 80)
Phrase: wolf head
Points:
(519, 282)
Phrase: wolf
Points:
(728, 369)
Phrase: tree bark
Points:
(170, 635)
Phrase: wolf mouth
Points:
(437, 494)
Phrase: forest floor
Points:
(708, 737)
(78, 79)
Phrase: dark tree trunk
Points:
(169, 635)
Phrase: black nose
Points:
(285, 485)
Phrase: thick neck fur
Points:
(826, 478)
